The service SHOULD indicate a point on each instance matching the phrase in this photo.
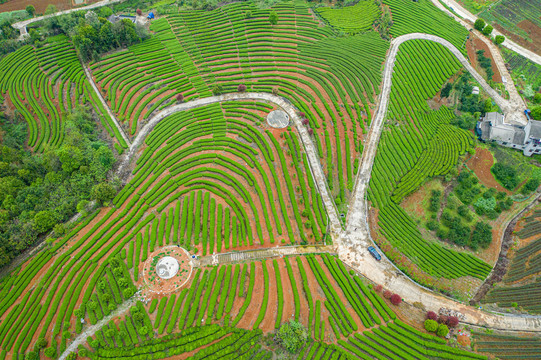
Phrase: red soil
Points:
(475, 44)
(40, 5)
(481, 163)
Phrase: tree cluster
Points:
(292, 336)
(38, 192)
(485, 63)
(506, 175)
(92, 34)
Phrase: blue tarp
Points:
(151, 15)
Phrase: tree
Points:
(443, 330)
(217, 89)
(105, 12)
(446, 90)
(34, 35)
(241, 88)
(180, 98)
(499, 39)
(292, 336)
(531, 185)
(103, 192)
(71, 158)
(479, 24)
(41, 343)
(536, 113)
(143, 330)
(50, 352)
(431, 315)
(248, 14)
(128, 293)
(31, 10)
(396, 299)
(51, 9)
(273, 18)
(31, 355)
(506, 175)
(139, 12)
(431, 325)
(537, 98)
(488, 30)
(453, 321)
(43, 221)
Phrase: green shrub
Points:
(431, 325)
(292, 336)
(443, 330)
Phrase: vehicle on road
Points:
(374, 253)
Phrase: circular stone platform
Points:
(278, 119)
(167, 269)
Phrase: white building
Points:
(492, 127)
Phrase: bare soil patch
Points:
(41, 5)
(481, 163)
(475, 44)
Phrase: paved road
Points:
(466, 15)
(356, 238)
(21, 25)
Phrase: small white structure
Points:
(278, 119)
(475, 90)
(167, 267)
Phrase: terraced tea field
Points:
(158, 271)
(522, 284)
(42, 84)
(418, 143)
(193, 52)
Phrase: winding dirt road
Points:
(466, 15)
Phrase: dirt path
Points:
(268, 253)
(105, 106)
(466, 15)
(91, 330)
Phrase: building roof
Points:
(501, 133)
(116, 18)
(494, 117)
(535, 131)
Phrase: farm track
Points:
(91, 330)
(466, 15)
(268, 253)
(105, 106)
